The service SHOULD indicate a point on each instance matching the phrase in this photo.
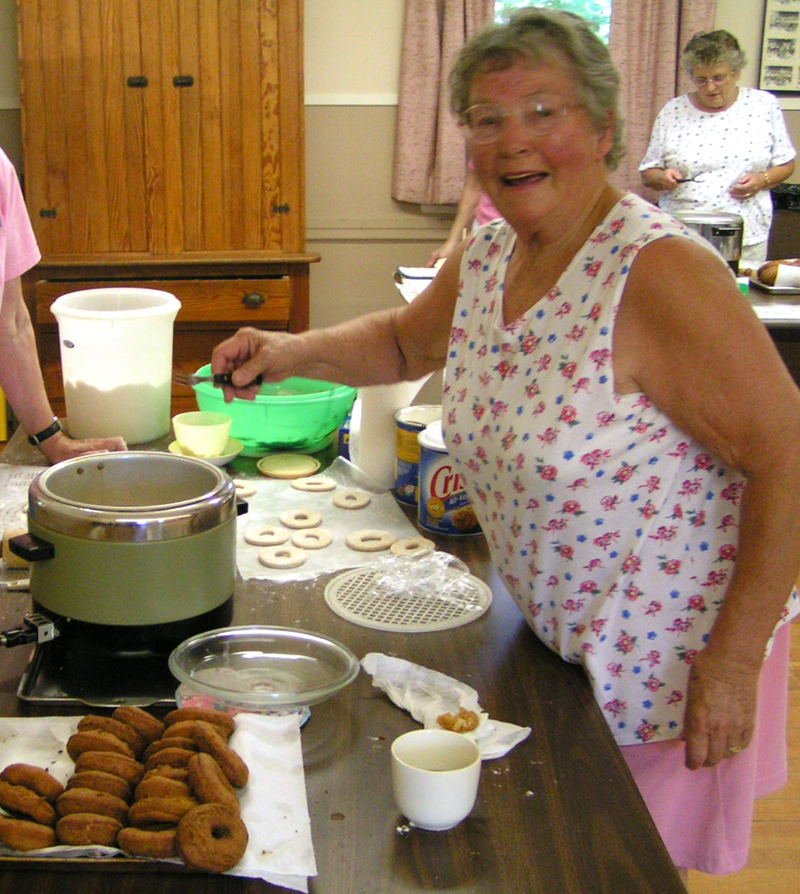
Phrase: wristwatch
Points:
(46, 433)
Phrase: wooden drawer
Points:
(264, 302)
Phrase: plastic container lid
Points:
(431, 438)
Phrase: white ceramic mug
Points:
(435, 776)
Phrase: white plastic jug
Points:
(116, 359)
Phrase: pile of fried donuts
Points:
(154, 789)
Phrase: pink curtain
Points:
(646, 41)
(430, 161)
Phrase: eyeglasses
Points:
(485, 120)
(716, 80)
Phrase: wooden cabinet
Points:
(164, 146)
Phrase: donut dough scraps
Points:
(301, 518)
(351, 499)
(315, 484)
(266, 535)
(412, 546)
(312, 538)
(370, 541)
(282, 556)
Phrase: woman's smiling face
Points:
(537, 178)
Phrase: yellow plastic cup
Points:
(202, 433)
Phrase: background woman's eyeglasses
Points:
(485, 121)
(715, 81)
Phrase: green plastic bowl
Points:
(295, 414)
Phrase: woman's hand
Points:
(747, 186)
(720, 710)
(246, 354)
(61, 447)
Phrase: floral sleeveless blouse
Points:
(614, 531)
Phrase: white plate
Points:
(232, 449)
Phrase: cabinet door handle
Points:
(138, 81)
(253, 300)
(183, 81)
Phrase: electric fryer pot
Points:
(131, 552)
(724, 231)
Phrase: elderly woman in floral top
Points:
(629, 436)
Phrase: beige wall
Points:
(352, 65)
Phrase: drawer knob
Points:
(253, 300)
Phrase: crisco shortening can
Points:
(444, 506)
(409, 422)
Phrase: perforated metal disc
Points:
(356, 597)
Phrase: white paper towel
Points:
(373, 437)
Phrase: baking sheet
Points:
(774, 290)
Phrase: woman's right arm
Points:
(375, 349)
(663, 179)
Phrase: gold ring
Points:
(734, 749)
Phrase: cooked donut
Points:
(412, 546)
(314, 484)
(24, 803)
(212, 838)
(25, 835)
(369, 541)
(171, 757)
(244, 488)
(158, 786)
(183, 729)
(281, 556)
(183, 742)
(351, 499)
(151, 728)
(301, 518)
(96, 740)
(109, 762)
(148, 811)
(99, 781)
(313, 538)
(209, 715)
(121, 730)
(210, 741)
(209, 783)
(35, 778)
(159, 844)
(83, 829)
(266, 535)
(87, 800)
(179, 773)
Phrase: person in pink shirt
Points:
(20, 373)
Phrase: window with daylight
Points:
(598, 12)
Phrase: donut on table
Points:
(301, 518)
(315, 484)
(24, 803)
(312, 538)
(156, 844)
(26, 835)
(369, 541)
(412, 546)
(351, 499)
(84, 829)
(266, 535)
(244, 488)
(35, 778)
(209, 783)
(209, 715)
(282, 556)
(86, 800)
(212, 838)
(211, 741)
(109, 762)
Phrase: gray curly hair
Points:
(534, 35)
(713, 48)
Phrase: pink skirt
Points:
(705, 816)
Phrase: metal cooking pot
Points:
(724, 231)
(142, 544)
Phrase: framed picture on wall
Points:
(780, 48)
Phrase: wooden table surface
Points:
(558, 814)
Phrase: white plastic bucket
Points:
(116, 359)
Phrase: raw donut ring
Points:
(369, 541)
(150, 811)
(24, 803)
(314, 484)
(412, 546)
(86, 800)
(158, 845)
(301, 518)
(83, 829)
(211, 741)
(96, 740)
(108, 762)
(209, 715)
(25, 835)
(34, 778)
(351, 499)
(210, 784)
(150, 727)
(212, 838)
(266, 535)
(313, 538)
(282, 556)
(159, 786)
(117, 728)
(99, 781)
(244, 488)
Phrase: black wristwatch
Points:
(46, 433)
